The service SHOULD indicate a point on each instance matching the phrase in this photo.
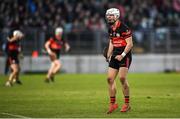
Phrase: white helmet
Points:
(58, 30)
(17, 33)
(113, 11)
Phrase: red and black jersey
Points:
(13, 49)
(56, 42)
(118, 34)
(11, 46)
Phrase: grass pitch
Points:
(86, 95)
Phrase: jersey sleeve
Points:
(50, 40)
(125, 31)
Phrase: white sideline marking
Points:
(14, 115)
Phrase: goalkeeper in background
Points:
(119, 57)
(53, 47)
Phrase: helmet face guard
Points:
(112, 15)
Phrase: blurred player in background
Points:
(53, 46)
(5, 50)
(13, 50)
(119, 58)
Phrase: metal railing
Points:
(162, 40)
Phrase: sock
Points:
(113, 99)
(126, 99)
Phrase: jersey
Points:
(13, 46)
(13, 49)
(118, 35)
(56, 42)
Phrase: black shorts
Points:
(13, 57)
(57, 52)
(125, 62)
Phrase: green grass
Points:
(86, 95)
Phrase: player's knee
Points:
(124, 83)
(15, 71)
(57, 64)
(52, 64)
(122, 79)
(110, 81)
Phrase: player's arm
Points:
(15, 37)
(129, 45)
(48, 49)
(12, 39)
(110, 49)
(47, 44)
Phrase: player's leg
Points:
(57, 65)
(123, 71)
(57, 62)
(112, 73)
(56, 68)
(50, 72)
(17, 80)
(14, 71)
(15, 60)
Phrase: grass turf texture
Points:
(86, 95)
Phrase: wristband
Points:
(49, 51)
(123, 54)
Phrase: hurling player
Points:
(13, 50)
(53, 47)
(119, 58)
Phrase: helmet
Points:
(17, 33)
(58, 30)
(113, 11)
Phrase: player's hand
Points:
(52, 56)
(105, 54)
(67, 47)
(119, 57)
(20, 37)
(105, 50)
(108, 59)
